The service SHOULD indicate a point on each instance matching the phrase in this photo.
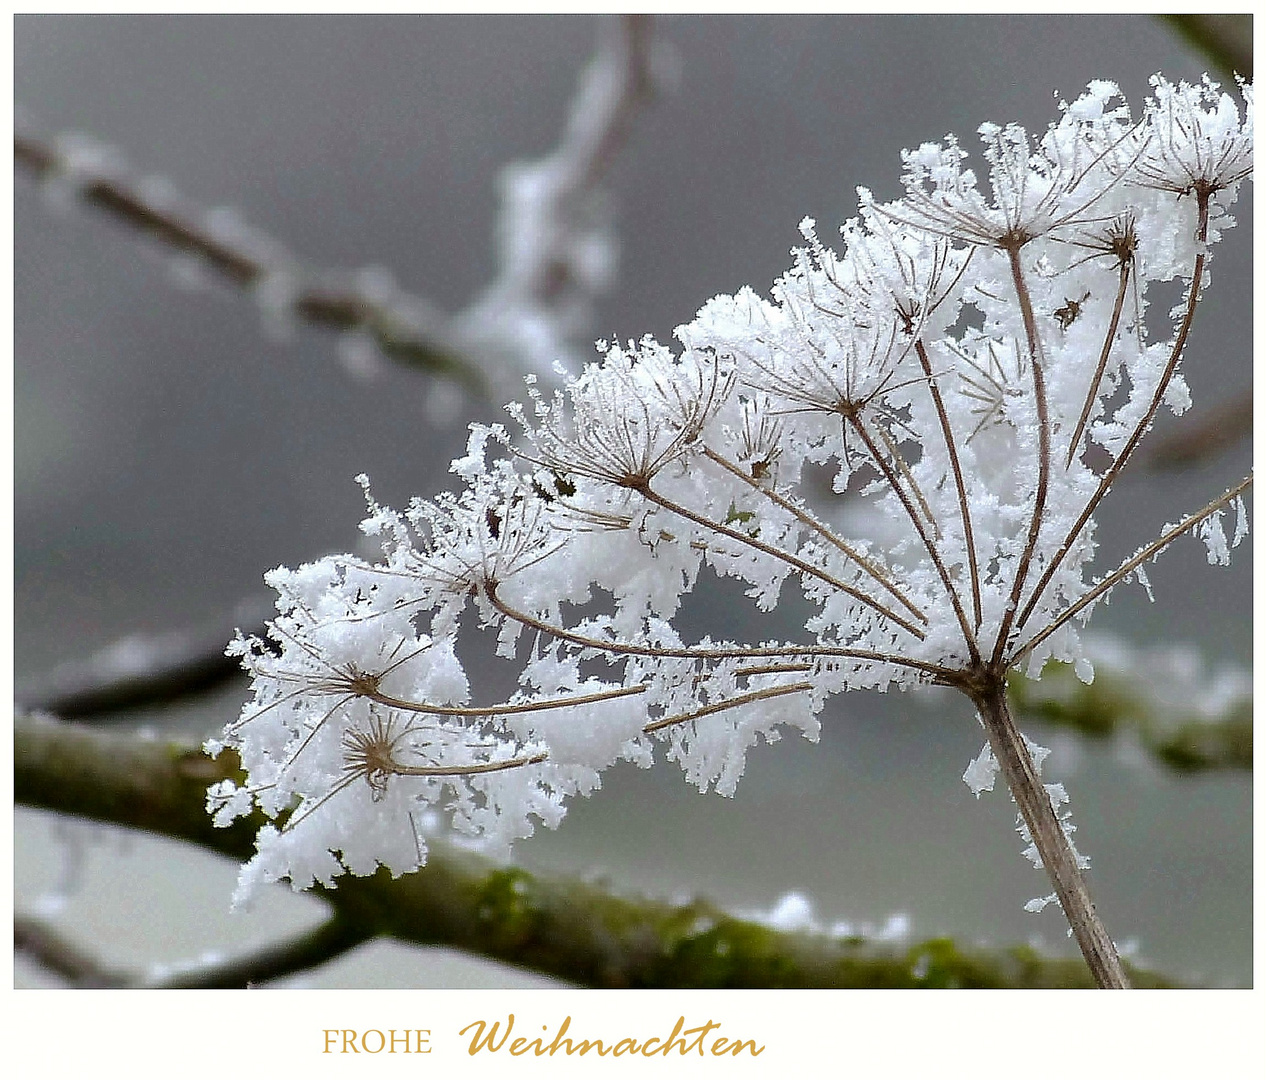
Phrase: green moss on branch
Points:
(561, 927)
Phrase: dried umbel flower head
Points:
(964, 441)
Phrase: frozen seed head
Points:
(626, 420)
(949, 368)
(1198, 143)
(759, 440)
(1034, 190)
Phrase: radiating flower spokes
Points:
(1033, 191)
(627, 419)
(1198, 142)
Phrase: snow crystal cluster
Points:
(972, 365)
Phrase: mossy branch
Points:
(561, 927)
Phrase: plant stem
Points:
(970, 545)
(887, 472)
(1044, 450)
(1145, 422)
(646, 491)
(1049, 837)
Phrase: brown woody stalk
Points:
(1049, 838)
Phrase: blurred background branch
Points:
(146, 669)
(555, 238)
(43, 944)
(1227, 40)
(406, 329)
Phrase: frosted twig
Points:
(1093, 389)
(1185, 715)
(624, 648)
(1145, 422)
(777, 553)
(1149, 551)
(916, 519)
(729, 703)
(1044, 448)
(1049, 836)
(961, 490)
(809, 521)
(507, 709)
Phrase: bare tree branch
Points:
(561, 927)
(37, 941)
(323, 943)
(406, 329)
(554, 223)
(142, 670)
(556, 246)
(40, 942)
(1106, 707)
(1204, 436)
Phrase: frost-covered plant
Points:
(973, 367)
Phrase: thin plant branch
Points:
(499, 765)
(1048, 835)
(1145, 422)
(1124, 276)
(729, 703)
(507, 709)
(895, 456)
(407, 329)
(624, 648)
(1149, 551)
(794, 561)
(960, 488)
(1044, 451)
(855, 421)
(810, 522)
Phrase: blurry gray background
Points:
(168, 452)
